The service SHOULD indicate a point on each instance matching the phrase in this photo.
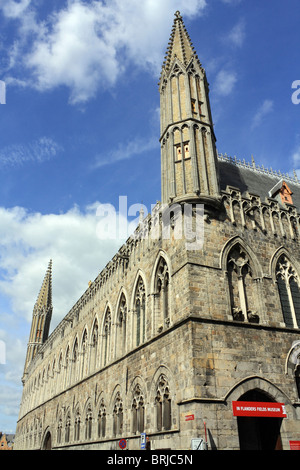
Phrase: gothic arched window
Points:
(84, 354)
(106, 337)
(77, 426)
(94, 347)
(59, 431)
(118, 416)
(88, 423)
(121, 327)
(102, 420)
(163, 405)
(289, 292)
(162, 295)
(138, 411)
(67, 428)
(75, 361)
(140, 312)
(241, 286)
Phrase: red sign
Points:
(190, 417)
(254, 408)
(295, 445)
(122, 443)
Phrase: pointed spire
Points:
(180, 45)
(44, 299)
(42, 314)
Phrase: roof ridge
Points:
(259, 168)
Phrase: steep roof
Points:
(254, 179)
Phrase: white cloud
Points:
(89, 44)
(237, 35)
(80, 247)
(263, 111)
(296, 157)
(125, 151)
(13, 9)
(225, 82)
(296, 161)
(29, 240)
(38, 151)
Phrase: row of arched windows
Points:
(106, 421)
(108, 340)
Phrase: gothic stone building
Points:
(175, 340)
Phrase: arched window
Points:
(67, 428)
(121, 327)
(118, 416)
(59, 431)
(67, 361)
(138, 411)
(94, 347)
(289, 292)
(140, 312)
(77, 426)
(163, 405)
(241, 285)
(162, 295)
(106, 337)
(75, 361)
(102, 420)
(88, 422)
(84, 354)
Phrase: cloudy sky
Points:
(80, 128)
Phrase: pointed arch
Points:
(74, 360)
(161, 288)
(242, 270)
(275, 257)
(163, 397)
(101, 416)
(257, 270)
(106, 335)
(88, 416)
(84, 352)
(139, 310)
(288, 284)
(121, 318)
(94, 343)
(117, 408)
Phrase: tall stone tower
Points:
(41, 318)
(189, 166)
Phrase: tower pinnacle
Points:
(189, 165)
(41, 317)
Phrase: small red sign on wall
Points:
(190, 417)
(254, 408)
(295, 445)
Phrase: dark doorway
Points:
(47, 442)
(258, 433)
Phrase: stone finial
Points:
(178, 15)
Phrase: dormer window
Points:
(282, 192)
(286, 193)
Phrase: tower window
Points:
(186, 151)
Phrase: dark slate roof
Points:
(256, 181)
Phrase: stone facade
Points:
(170, 334)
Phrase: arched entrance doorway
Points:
(47, 442)
(256, 432)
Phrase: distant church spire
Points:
(41, 317)
(189, 165)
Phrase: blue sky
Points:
(80, 128)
